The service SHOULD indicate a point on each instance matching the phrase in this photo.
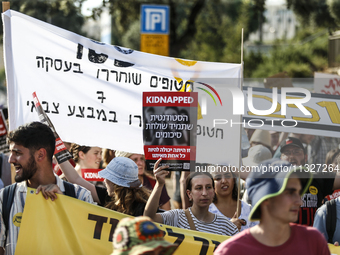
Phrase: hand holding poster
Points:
(170, 129)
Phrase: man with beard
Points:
(31, 151)
(323, 183)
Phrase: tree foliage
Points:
(208, 30)
(199, 29)
(62, 13)
(300, 57)
(318, 13)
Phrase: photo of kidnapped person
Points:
(169, 125)
(169, 129)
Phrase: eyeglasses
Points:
(297, 152)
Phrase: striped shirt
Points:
(220, 225)
(18, 207)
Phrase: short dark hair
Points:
(34, 136)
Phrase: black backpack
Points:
(8, 197)
(330, 219)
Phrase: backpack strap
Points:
(69, 189)
(1, 159)
(189, 218)
(330, 219)
(8, 197)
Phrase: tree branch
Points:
(182, 42)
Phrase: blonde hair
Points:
(124, 154)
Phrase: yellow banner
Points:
(71, 226)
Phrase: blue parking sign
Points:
(155, 19)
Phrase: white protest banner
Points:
(324, 118)
(326, 83)
(91, 91)
(218, 132)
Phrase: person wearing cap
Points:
(275, 191)
(138, 236)
(322, 185)
(123, 193)
(200, 191)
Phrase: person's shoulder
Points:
(245, 204)
(221, 219)
(81, 192)
(235, 243)
(322, 209)
(306, 231)
(177, 211)
(245, 207)
(213, 208)
(80, 188)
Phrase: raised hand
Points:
(160, 173)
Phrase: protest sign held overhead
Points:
(170, 129)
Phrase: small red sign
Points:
(91, 175)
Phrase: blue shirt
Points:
(320, 221)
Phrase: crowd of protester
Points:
(262, 210)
